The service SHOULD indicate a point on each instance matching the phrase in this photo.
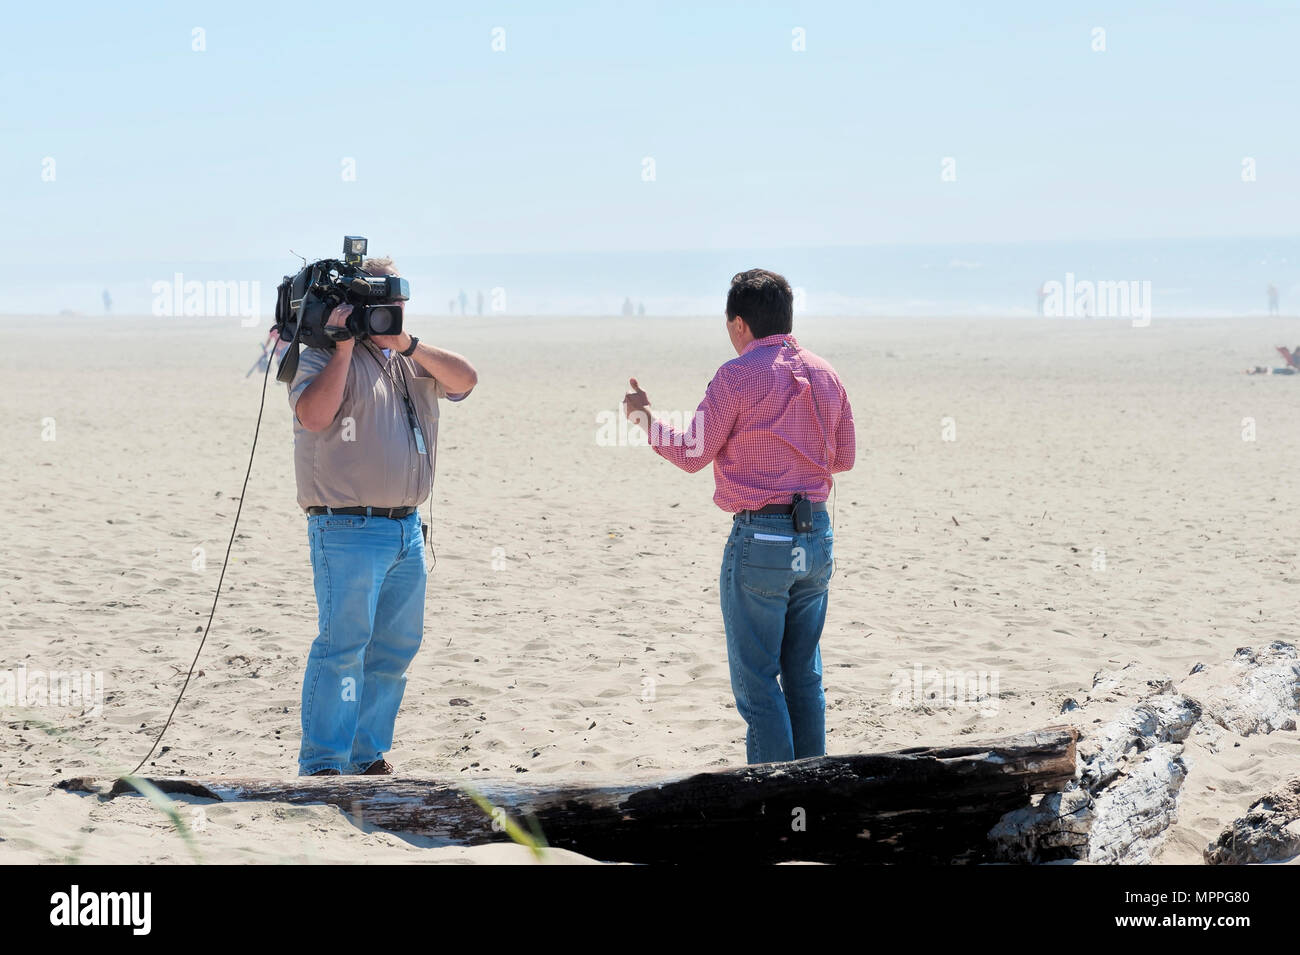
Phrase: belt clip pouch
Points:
(424, 532)
(803, 514)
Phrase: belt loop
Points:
(328, 510)
(368, 510)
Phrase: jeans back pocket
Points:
(767, 567)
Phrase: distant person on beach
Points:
(1272, 299)
(108, 303)
(273, 346)
(464, 300)
(273, 340)
(365, 437)
(627, 308)
(776, 424)
(480, 302)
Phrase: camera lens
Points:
(383, 321)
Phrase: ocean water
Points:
(1178, 277)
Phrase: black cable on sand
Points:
(224, 564)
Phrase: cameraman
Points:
(365, 443)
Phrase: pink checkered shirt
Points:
(759, 424)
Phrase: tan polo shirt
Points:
(367, 456)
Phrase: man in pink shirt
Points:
(776, 425)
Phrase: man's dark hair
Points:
(764, 300)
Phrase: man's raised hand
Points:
(338, 319)
(636, 405)
(339, 315)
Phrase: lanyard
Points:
(404, 390)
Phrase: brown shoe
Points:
(380, 767)
(327, 772)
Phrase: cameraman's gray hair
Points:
(383, 266)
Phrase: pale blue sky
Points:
(235, 153)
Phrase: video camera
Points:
(304, 302)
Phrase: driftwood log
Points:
(1131, 771)
(920, 805)
(1132, 766)
(1257, 691)
(1269, 832)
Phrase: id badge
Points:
(419, 440)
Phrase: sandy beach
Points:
(1034, 500)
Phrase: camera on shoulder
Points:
(304, 302)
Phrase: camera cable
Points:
(224, 564)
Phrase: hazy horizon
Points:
(1179, 277)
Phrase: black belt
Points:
(395, 513)
(777, 509)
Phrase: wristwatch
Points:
(411, 351)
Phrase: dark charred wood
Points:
(922, 805)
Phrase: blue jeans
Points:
(774, 586)
(370, 580)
